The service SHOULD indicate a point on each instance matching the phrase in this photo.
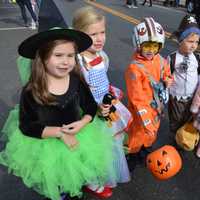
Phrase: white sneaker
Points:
(33, 26)
(134, 6)
(128, 6)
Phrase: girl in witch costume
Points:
(51, 146)
(94, 65)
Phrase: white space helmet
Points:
(147, 31)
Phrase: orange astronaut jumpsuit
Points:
(145, 124)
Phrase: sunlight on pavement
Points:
(119, 14)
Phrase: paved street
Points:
(120, 21)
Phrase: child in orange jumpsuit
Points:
(147, 79)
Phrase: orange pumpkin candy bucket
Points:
(164, 162)
(187, 137)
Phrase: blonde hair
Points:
(86, 16)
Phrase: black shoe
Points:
(26, 25)
(132, 160)
(76, 198)
(142, 155)
(69, 198)
(73, 198)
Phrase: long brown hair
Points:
(38, 83)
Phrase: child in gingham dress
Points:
(94, 65)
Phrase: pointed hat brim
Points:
(29, 47)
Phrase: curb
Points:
(161, 3)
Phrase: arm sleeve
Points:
(134, 86)
(87, 102)
(167, 70)
(137, 96)
(82, 67)
(28, 118)
(196, 102)
(168, 60)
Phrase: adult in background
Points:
(150, 3)
(23, 4)
(131, 4)
(197, 11)
(176, 3)
(38, 2)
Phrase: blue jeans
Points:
(38, 3)
(177, 2)
(26, 3)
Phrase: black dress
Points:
(34, 117)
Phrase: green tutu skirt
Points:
(49, 167)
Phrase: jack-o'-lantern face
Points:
(164, 162)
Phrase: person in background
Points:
(197, 11)
(131, 4)
(195, 110)
(38, 2)
(177, 2)
(23, 4)
(150, 3)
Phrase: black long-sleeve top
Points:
(69, 106)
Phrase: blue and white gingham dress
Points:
(97, 79)
(98, 82)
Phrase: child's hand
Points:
(73, 128)
(194, 116)
(169, 81)
(70, 141)
(104, 109)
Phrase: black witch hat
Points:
(29, 47)
(52, 13)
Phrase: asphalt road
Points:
(185, 185)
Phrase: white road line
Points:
(13, 28)
(8, 7)
(170, 8)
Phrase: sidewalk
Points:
(161, 3)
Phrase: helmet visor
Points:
(152, 47)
